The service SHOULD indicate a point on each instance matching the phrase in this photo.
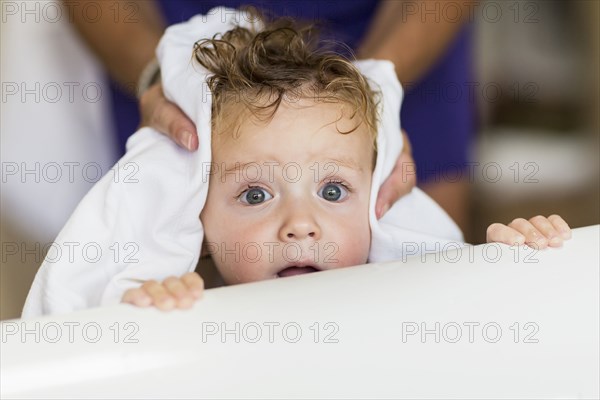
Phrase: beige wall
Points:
(16, 275)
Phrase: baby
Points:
(294, 139)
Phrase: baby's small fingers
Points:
(179, 291)
(561, 226)
(137, 297)
(195, 284)
(533, 237)
(159, 294)
(503, 234)
(547, 229)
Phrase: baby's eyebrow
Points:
(344, 162)
(239, 166)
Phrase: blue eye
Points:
(333, 191)
(255, 195)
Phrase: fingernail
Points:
(187, 139)
(384, 209)
(555, 241)
(565, 234)
(166, 301)
(185, 302)
(144, 300)
(539, 240)
(519, 239)
(180, 296)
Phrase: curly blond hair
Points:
(281, 62)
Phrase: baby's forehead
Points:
(326, 158)
(235, 119)
(304, 133)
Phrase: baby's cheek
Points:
(242, 271)
(360, 252)
(353, 248)
(229, 273)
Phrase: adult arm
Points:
(124, 36)
(414, 34)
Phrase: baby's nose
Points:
(300, 228)
(300, 235)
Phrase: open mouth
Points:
(293, 270)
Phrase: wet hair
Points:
(283, 61)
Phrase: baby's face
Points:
(289, 196)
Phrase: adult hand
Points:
(164, 116)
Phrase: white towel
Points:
(141, 220)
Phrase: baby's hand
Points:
(539, 232)
(171, 293)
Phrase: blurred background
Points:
(537, 148)
(544, 128)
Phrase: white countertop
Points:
(521, 324)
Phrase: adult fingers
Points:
(400, 182)
(164, 116)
